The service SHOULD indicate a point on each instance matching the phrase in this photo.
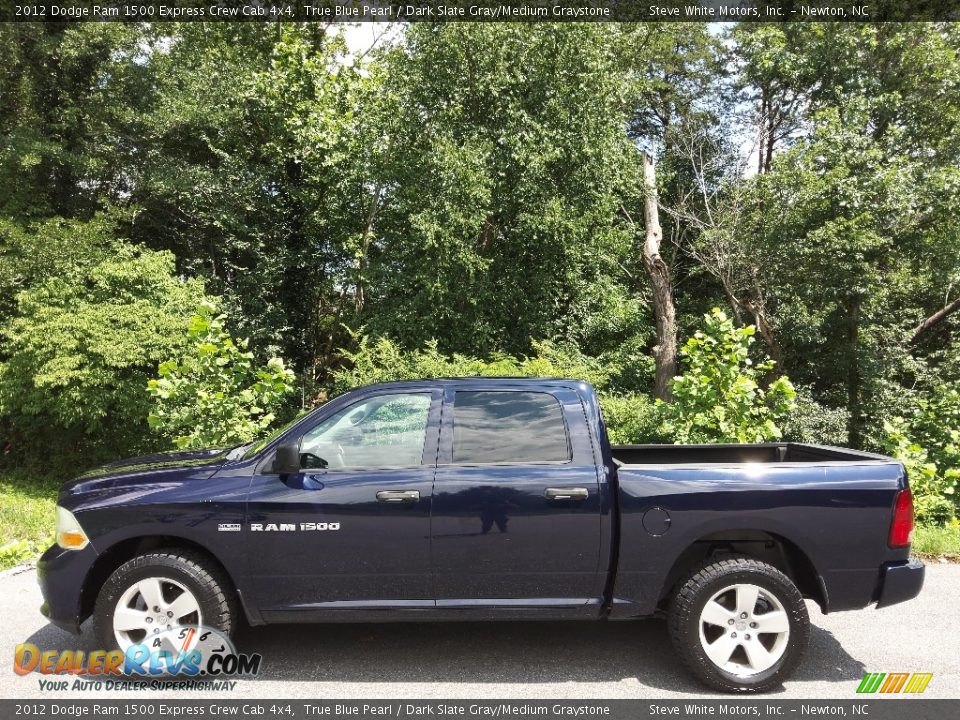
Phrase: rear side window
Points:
(505, 426)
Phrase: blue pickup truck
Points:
(486, 499)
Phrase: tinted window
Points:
(490, 427)
(382, 431)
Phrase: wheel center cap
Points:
(741, 625)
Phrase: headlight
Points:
(70, 536)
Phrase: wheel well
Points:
(770, 548)
(116, 555)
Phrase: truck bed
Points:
(626, 455)
(832, 505)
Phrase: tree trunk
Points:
(855, 422)
(665, 351)
(764, 137)
(365, 245)
(767, 333)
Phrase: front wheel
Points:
(740, 625)
(160, 590)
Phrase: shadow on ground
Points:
(502, 653)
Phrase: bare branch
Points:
(934, 320)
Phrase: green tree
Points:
(214, 395)
(721, 397)
(69, 115)
(500, 217)
(81, 345)
(839, 248)
(244, 174)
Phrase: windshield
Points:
(251, 449)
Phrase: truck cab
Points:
(459, 495)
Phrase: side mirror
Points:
(287, 460)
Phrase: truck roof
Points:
(496, 381)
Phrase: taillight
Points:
(901, 527)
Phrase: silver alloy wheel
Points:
(150, 606)
(744, 629)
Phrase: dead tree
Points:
(665, 351)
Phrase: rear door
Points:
(516, 503)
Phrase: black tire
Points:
(692, 595)
(209, 584)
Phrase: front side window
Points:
(507, 426)
(382, 431)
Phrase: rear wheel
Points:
(739, 624)
(158, 591)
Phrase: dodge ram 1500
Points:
(486, 499)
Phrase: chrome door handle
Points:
(570, 493)
(398, 496)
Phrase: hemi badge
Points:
(229, 527)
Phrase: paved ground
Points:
(532, 660)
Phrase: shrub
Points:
(81, 345)
(743, 412)
(813, 422)
(719, 396)
(933, 489)
(927, 441)
(55, 248)
(383, 360)
(15, 552)
(632, 418)
(213, 395)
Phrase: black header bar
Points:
(481, 11)
(148, 706)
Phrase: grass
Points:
(26, 516)
(934, 541)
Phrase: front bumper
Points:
(900, 582)
(61, 574)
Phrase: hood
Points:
(210, 458)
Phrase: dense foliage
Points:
(85, 335)
(721, 395)
(213, 395)
(928, 443)
(718, 398)
(434, 203)
(630, 417)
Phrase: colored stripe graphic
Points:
(894, 683)
(870, 682)
(918, 682)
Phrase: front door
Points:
(516, 505)
(351, 530)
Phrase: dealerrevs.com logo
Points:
(184, 656)
(911, 683)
